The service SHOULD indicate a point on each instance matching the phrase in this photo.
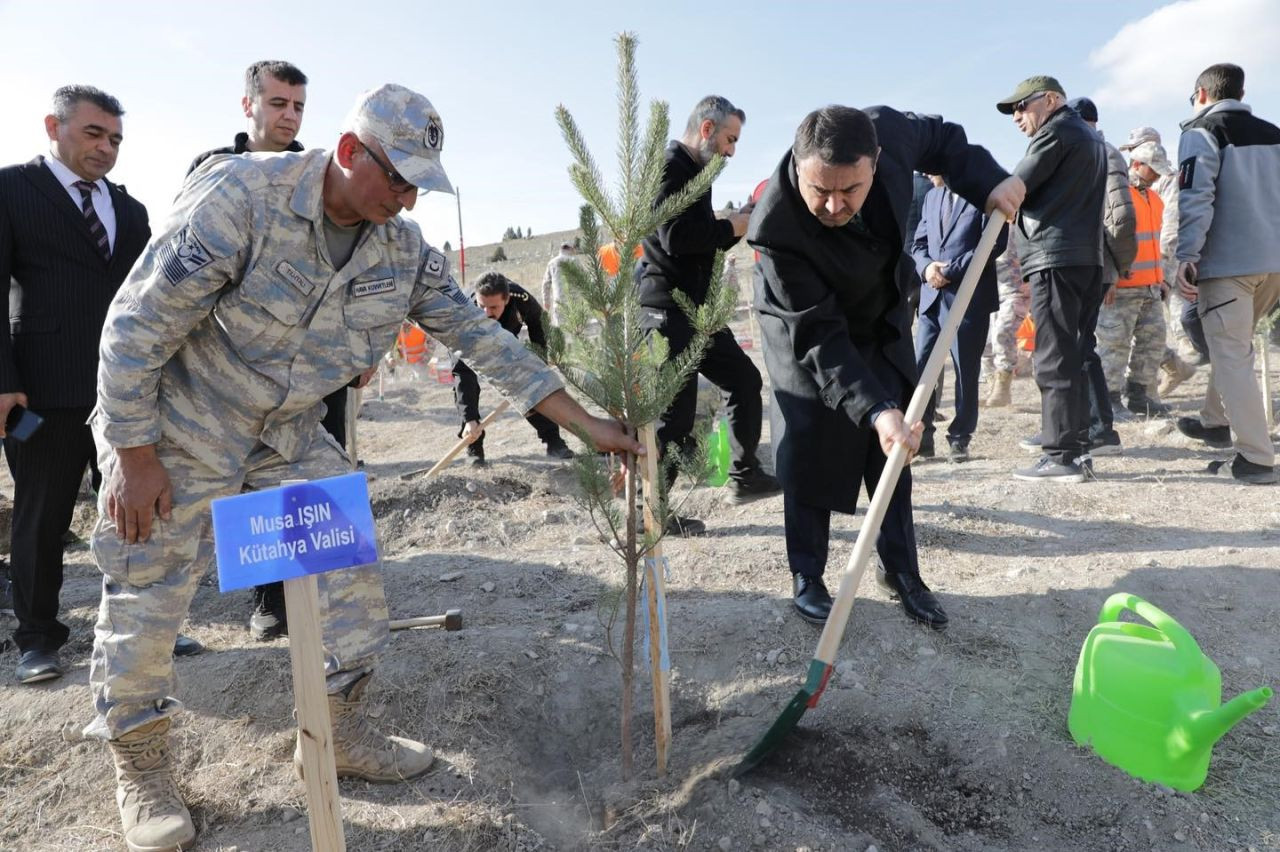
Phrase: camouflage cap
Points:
(1027, 88)
(1153, 154)
(409, 129)
(1138, 135)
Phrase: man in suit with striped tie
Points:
(68, 237)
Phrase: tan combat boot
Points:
(1176, 371)
(360, 750)
(151, 811)
(1000, 396)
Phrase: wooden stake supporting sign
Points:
(311, 702)
(1263, 346)
(292, 533)
(656, 597)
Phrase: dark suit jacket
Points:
(951, 242)
(821, 321)
(58, 286)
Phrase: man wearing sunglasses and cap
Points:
(1060, 234)
(274, 280)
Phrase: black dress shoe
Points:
(687, 527)
(559, 451)
(37, 666)
(918, 602)
(811, 598)
(1214, 436)
(752, 486)
(185, 646)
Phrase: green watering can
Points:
(1147, 700)
(719, 455)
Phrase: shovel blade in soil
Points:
(819, 673)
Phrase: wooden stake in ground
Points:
(353, 411)
(656, 596)
(1267, 409)
(311, 703)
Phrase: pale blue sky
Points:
(496, 70)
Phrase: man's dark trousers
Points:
(808, 527)
(966, 356)
(728, 368)
(47, 470)
(1064, 306)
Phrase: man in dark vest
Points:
(831, 290)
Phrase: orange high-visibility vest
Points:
(1147, 268)
(412, 342)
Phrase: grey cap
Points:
(1138, 135)
(1027, 88)
(409, 129)
(1153, 154)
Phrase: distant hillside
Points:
(527, 259)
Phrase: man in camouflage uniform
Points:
(1131, 326)
(274, 280)
(1015, 303)
(1182, 323)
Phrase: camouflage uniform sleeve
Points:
(453, 319)
(172, 287)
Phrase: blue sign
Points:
(293, 530)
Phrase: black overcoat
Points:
(818, 335)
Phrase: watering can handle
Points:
(1183, 642)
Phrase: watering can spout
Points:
(1204, 728)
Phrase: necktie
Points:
(946, 209)
(96, 228)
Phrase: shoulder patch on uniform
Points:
(435, 264)
(452, 290)
(183, 255)
(1186, 172)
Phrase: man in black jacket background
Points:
(67, 239)
(1060, 230)
(275, 95)
(679, 257)
(831, 290)
(513, 307)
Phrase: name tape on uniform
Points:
(294, 530)
(369, 288)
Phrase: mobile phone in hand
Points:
(21, 423)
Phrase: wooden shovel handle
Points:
(466, 440)
(852, 577)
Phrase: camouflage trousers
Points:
(1177, 336)
(1015, 304)
(147, 587)
(1131, 333)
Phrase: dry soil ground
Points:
(924, 740)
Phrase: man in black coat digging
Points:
(831, 291)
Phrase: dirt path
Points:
(938, 741)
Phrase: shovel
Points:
(824, 658)
(462, 444)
